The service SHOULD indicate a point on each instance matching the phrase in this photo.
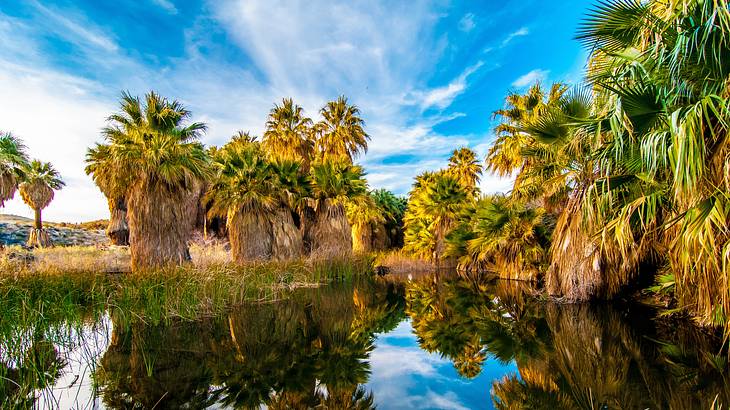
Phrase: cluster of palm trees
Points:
(37, 181)
(282, 196)
(622, 179)
(437, 202)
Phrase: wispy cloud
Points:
(78, 32)
(530, 78)
(442, 97)
(377, 58)
(523, 31)
(167, 5)
(467, 22)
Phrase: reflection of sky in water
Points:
(404, 376)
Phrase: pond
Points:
(431, 342)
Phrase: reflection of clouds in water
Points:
(81, 351)
(400, 370)
(446, 401)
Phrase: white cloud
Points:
(467, 23)
(77, 31)
(533, 76)
(311, 51)
(167, 5)
(523, 31)
(58, 120)
(442, 97)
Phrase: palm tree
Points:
(364, 216)
(13, 160)
(464, 166)
(505, 237)
(165, 164)
(40, 180)
(505, 155)
(245, 191)
(660, 69)
(390, 233)
(433, 211)
(333, 184)
(293, 191)
(113, 184)
(341, 136)
(288, 134)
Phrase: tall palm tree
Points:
(505, 155)
(13, 160)
(333, 184)
(660, 68)
(288, 134)
(245, 191)
(165, 164)
(341, 136)
(464, 166)
(37, 191)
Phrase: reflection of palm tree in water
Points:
(307, 351)
(568, 356)
(598, 361)
(39, 369)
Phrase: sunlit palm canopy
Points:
(341, 135)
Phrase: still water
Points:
(434, 342)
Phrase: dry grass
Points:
(208, 258)
(210, 253)
(399, 261)
(68, 259)
(97, 225)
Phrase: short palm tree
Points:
(390, 233)
(505, 237)
(333, 184)
(165, 164)
(341, 136)
(288, 134)
(37, 191)
(13, 160)
(365, 217)
(293, 190)
(245, 191)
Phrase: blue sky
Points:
(426, 74)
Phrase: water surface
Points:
(435, 342)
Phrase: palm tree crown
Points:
(341, 133)
(464, 166)
(39, 184)
(13, 160)
(288, 134)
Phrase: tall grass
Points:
(56, 283)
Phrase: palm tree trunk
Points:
(38, 219)
(331, 233)
(38, 237)
(160, 226)
(251, 235)
(362, 238)
(118, 229)
(288, 243)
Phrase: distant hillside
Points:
(14, 230)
